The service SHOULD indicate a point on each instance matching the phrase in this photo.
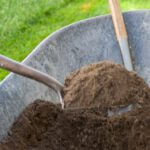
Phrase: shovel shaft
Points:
(29, 72)
(118, 19)
(123, 43)
(121, 33)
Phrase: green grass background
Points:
(25, 23)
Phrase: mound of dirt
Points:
(104, 84)
(44, 126)
(96, 97)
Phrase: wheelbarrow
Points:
(68, 49)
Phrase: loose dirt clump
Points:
(94, 119)
(104, 84)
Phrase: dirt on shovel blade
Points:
(106, 108)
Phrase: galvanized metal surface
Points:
(68, 49)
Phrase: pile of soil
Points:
(104, 84)
(90, 94)
(44, 126)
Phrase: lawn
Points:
(25, 23)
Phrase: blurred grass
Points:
(25, 23)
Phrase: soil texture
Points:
(106, 108)
(104, 84)
(44, 126)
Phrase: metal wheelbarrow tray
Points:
(70, 48)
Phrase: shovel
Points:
(121, 33)
(31, 73)
(47, 80)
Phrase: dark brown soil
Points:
(104, 84)
(44, 126)
(106, 87)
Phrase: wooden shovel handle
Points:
(29, 72)
(118, 19)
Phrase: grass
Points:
(25, 23)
